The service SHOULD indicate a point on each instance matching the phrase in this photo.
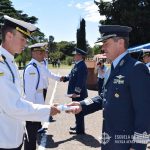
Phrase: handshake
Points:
(73, 107)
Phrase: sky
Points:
(61, 18)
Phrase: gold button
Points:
(116, 95)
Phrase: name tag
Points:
(32, 73)
(118, 81)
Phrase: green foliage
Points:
(66, 48)
(69, 60)
(38, 36)
(7, 8)
(132, 13)
(56, 55)
(96, 49)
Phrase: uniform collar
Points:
(78, 61)
(148, 64)
(8, 55)
(35, 61)
(117, 60)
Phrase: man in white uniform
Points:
(34, 77)
(14, 109)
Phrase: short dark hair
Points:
(126, 41)
(6, 29)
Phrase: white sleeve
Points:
(15, 106)
(51, 75)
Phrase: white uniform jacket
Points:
(48, 74)
(14, 110)
(34, 82)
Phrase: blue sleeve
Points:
(82, 77)
(91, 105)
(66, 78)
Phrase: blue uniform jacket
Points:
(77, 80)
(126, 104)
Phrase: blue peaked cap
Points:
(109, 31)
(79, 51)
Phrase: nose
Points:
(25, 42)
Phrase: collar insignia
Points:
(122, 62)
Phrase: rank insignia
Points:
(121, 63)
(77, 89)
(119, 80)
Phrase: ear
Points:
(121, 42)
(9, 36)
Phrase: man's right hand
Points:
(74, 110)
(54, 110)
(62, 78)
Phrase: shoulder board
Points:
(34, 64)
(138, 62)
(1, 59)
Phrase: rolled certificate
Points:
(70, 95)
(65, 107)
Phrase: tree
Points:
(38, 37)
(81, 36)
(51, 45)
(6, 8)
(66, 47)
(134, 13)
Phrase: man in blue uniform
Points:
(125, 101)
(77, 87)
